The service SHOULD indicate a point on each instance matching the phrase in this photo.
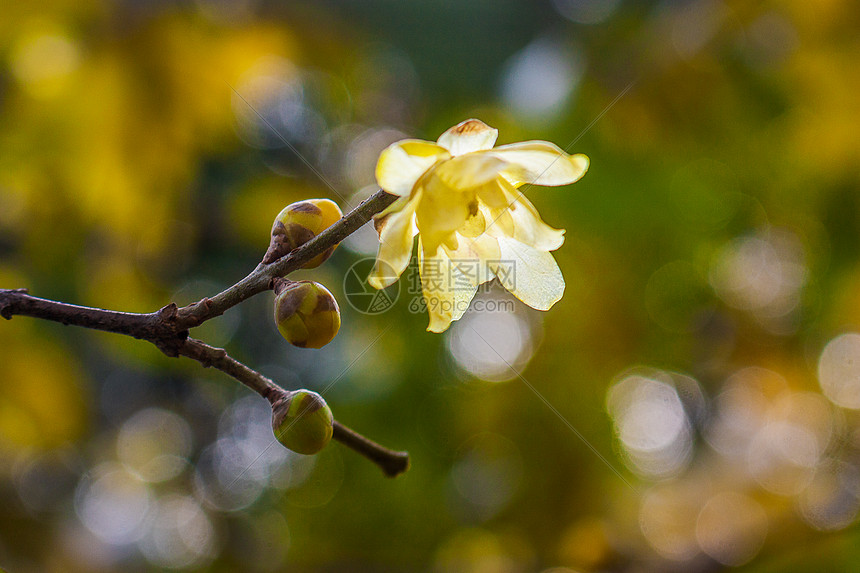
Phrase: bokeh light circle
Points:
(839, 370)
(731, 528)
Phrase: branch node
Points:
(274, 393)
(168, 349)
(168, 312)
(5, 305)
(278, 284)
(172, 346)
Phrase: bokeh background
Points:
(690, 405)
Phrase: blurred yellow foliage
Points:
(42, 399)
(107, 132)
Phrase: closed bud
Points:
(306, 313)
(297, 224)
(302, 421)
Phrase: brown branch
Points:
(168, 327)
(146, 326)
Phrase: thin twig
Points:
(212, 357)
(392, 463)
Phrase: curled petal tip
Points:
(376, 282)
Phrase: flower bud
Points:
(302, 421)
(306, 313)
(297, 224)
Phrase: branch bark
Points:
(167, 328)
(18, 301)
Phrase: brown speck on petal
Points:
(325, 303)
(470, 126)
(310, 403)
(379, 223)
(289, 302)
(305, 207)
(278, 228)
(473, 208)
(298, 235)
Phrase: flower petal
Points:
(380, 220)
(529, 274)
(540, 163)
(441, 213)
(508, 213)
(467, 136)
(469, 171)
(449, 195)
(473, 255)
(474, 226)
(396, 233)
(447, 290)
(528, 227)
(401, 164)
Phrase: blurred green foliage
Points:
(711, 256)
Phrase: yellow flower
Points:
(461, 195)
